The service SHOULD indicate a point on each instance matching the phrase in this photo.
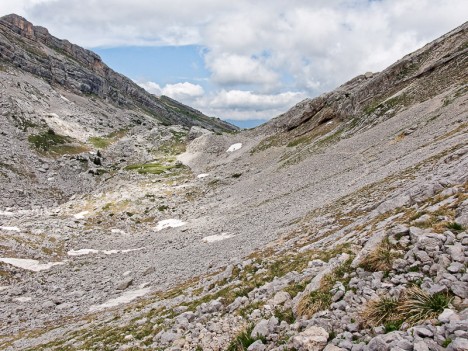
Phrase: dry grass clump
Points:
(413, 306)
(418, 305)
(316, 301)
(381, 259)
(381, 311)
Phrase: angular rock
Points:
(260, 330)
(311, 339)
(124, 284)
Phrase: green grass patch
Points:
(152, 168)
(106, 141)
(46, 140)
(52, 143)
(455, 226)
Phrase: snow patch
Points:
(234, 147)
(169, 223)
(81, 215)
(203, 175)
(126, 297)
(10, 229)
(82, 252)
(23, 299)
(28, 264)
(118, 231)
(64, 98)
(6, 213)
(219, 237)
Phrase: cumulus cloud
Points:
(256, 48)
(247, 100)
(179, 91)
(244, 105)
(231, 69)
(183, 90)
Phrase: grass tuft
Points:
(417, 305)
(414, 306)
(381, 259)
(243, 340)
(381, 311)
(455, 226)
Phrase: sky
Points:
(244, 61)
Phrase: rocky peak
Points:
(20, 25)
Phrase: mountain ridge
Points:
(53, 60)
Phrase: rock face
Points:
(32, 49)
(351, 238)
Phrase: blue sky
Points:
(244, 61)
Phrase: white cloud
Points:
(232, 69)
(151, 87)
(179, 91)
(228, 104)
(244, 105)
(246, 100)
(183, 90)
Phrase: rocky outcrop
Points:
(33, 49)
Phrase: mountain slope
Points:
(340, 225)
(60, 105)
(59, 62)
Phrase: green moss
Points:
(447, 342)
(286, 315)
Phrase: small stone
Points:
(455, 267)
(280, 298)
(338, 295)
(448, 315)
(460, 289)
(257, 346)
(459, 344)
(456, 252)
(353, 327)
(331, 347)
(420, 346)
(260, 329)
(423, 332)
(423, 219)
(124, 284)
(149, 270)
